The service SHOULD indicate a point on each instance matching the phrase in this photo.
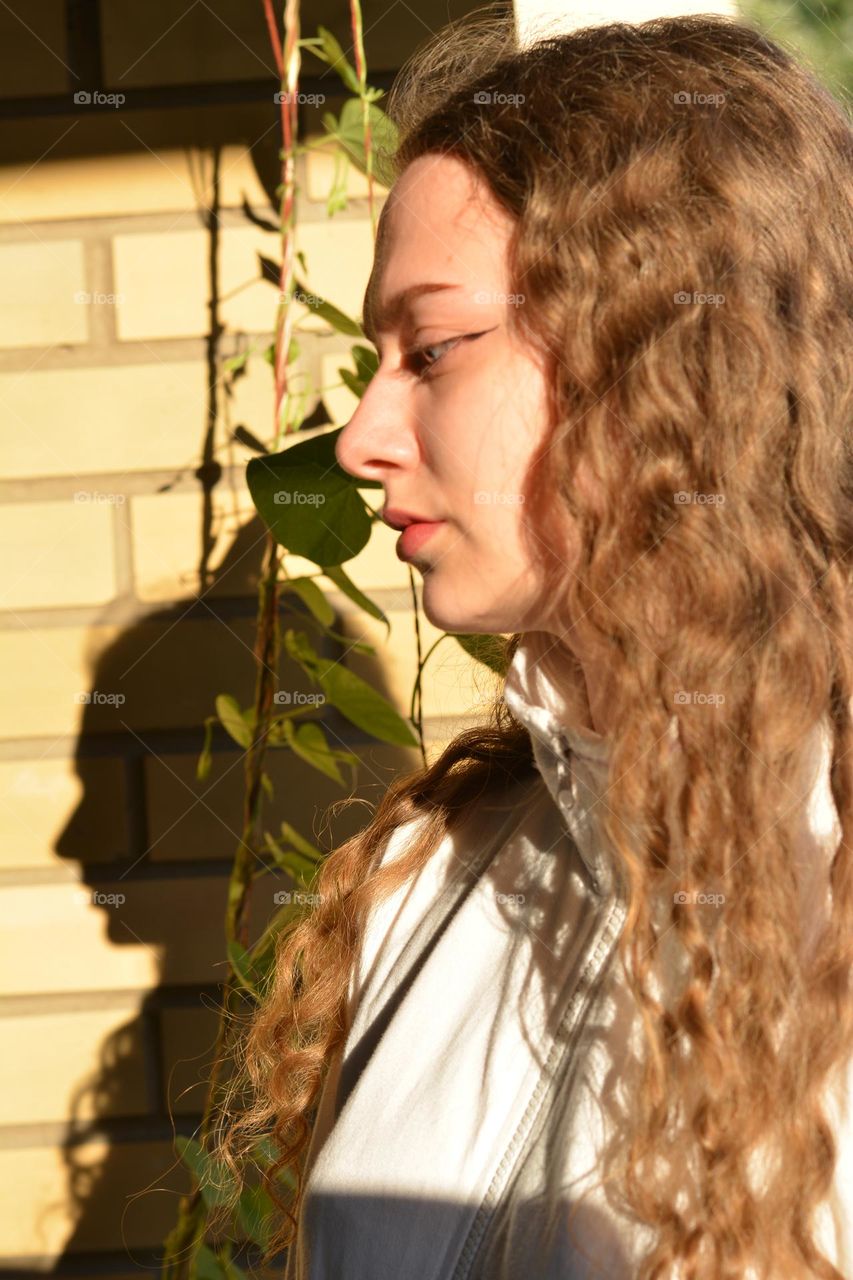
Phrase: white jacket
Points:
(467, 1108)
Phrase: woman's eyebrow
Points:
(383, 319)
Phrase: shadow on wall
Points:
(155, 847)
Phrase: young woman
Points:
(577, 1001)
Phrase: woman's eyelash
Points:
(416, 355)
(418, 352)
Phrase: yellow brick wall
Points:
(109, 846)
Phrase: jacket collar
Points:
(573, 759)
(574, 763)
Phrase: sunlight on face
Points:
(457, 407)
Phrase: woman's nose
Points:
(379, 437)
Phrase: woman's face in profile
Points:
(457, 407)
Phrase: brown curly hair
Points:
(682, 191)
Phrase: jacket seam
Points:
(577, 1006)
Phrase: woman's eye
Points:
(421, 359)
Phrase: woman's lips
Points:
(414, 536)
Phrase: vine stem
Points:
(187, 1236)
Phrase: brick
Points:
(43, 301)
(123, 183)
(124, 1196)
(189, 1040)
(339, 256)
(88, 1044)
(150, 45)
(163, 279)
(192, 819)
(77, 937)
(112, 419)
(166, 543)
(165, 547)
(57, 553)
(53, 808)
(34, 53)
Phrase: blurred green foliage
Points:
(819, 33)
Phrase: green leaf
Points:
(292, 861)
(202, 769)
(245, 436)
(349, 132)
(233, 720)
(332, 53)
(309, 742)
(311, 505)
(234, 363)
(488, 649)
(366, 361)
(256, 1214)
(262, 954)
(292, 836)
(215, 1181)
(345, 584)
(363, 705)
(331, 314)
(242, 965)
(311, 596)
(266, 783)
(206, 1266)
(266, 1152)
(355, 385)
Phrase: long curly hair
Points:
(682, 191)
